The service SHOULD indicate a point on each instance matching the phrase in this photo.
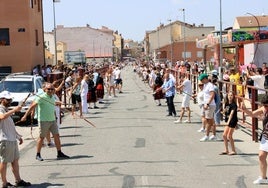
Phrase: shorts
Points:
(185, 101)
(118, 81)
(9, 151)
(208, 113)
(76, 98)
(263, 145)
(46, 126)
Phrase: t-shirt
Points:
(208, 87)
(200, 98)
(229, 108)
(187, 87)
(46, 107)
(7, 128)
(259, 82)
(171, 85)
(234, 78)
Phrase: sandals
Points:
(232, 153)
(227, 153)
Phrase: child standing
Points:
(230, 112)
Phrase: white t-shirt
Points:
(208, 87)
(84, 88)
(117, 73)
(187, 87)
(200, 98)
(259, 82)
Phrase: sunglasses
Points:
(50, 89)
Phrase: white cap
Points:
(5, 95)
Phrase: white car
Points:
(20, 85)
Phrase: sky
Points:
(132, 18)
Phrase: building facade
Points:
(175, 36)
(96, 43)
(21, 34)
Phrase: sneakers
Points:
(177, 121)
(62, 156)
(39, 158)
(187, 121)
(260, 181)
(8, 185)
(201, 130)
(23, 183)
(212, 138)
(204, 139)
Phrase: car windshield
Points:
(17, 86)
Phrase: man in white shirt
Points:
(209, 106)
(259, 80)
(186, 88)
(118, 79)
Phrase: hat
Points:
(5, 95)
(202, 76)
(214, 72)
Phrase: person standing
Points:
(100, 89)
(186, 88)
(200, 102)
(169, 89)
(158, 82)
(9, 151)
(231, 119)
(83, 94)
(259, 80)
(265, 73)
(76, 98)
(46, 120)
(209, 104)
(263, 148)
(118, 79)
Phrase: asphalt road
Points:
(134, 144)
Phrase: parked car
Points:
(241, 36)
(20, 85)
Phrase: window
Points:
(199, 54)
(39, 5)
(4, 37)
(36, 38)
(187, 54)
(31, 3)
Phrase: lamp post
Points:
(55, 33)
(184, 35)
(258, 35)
(221, 55)
(157, 54)
(171, 38)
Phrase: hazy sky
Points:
(132, 18)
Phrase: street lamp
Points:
(184, 39)
(259, 32)
(221, 55)
(55, 34)
(171, 46)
